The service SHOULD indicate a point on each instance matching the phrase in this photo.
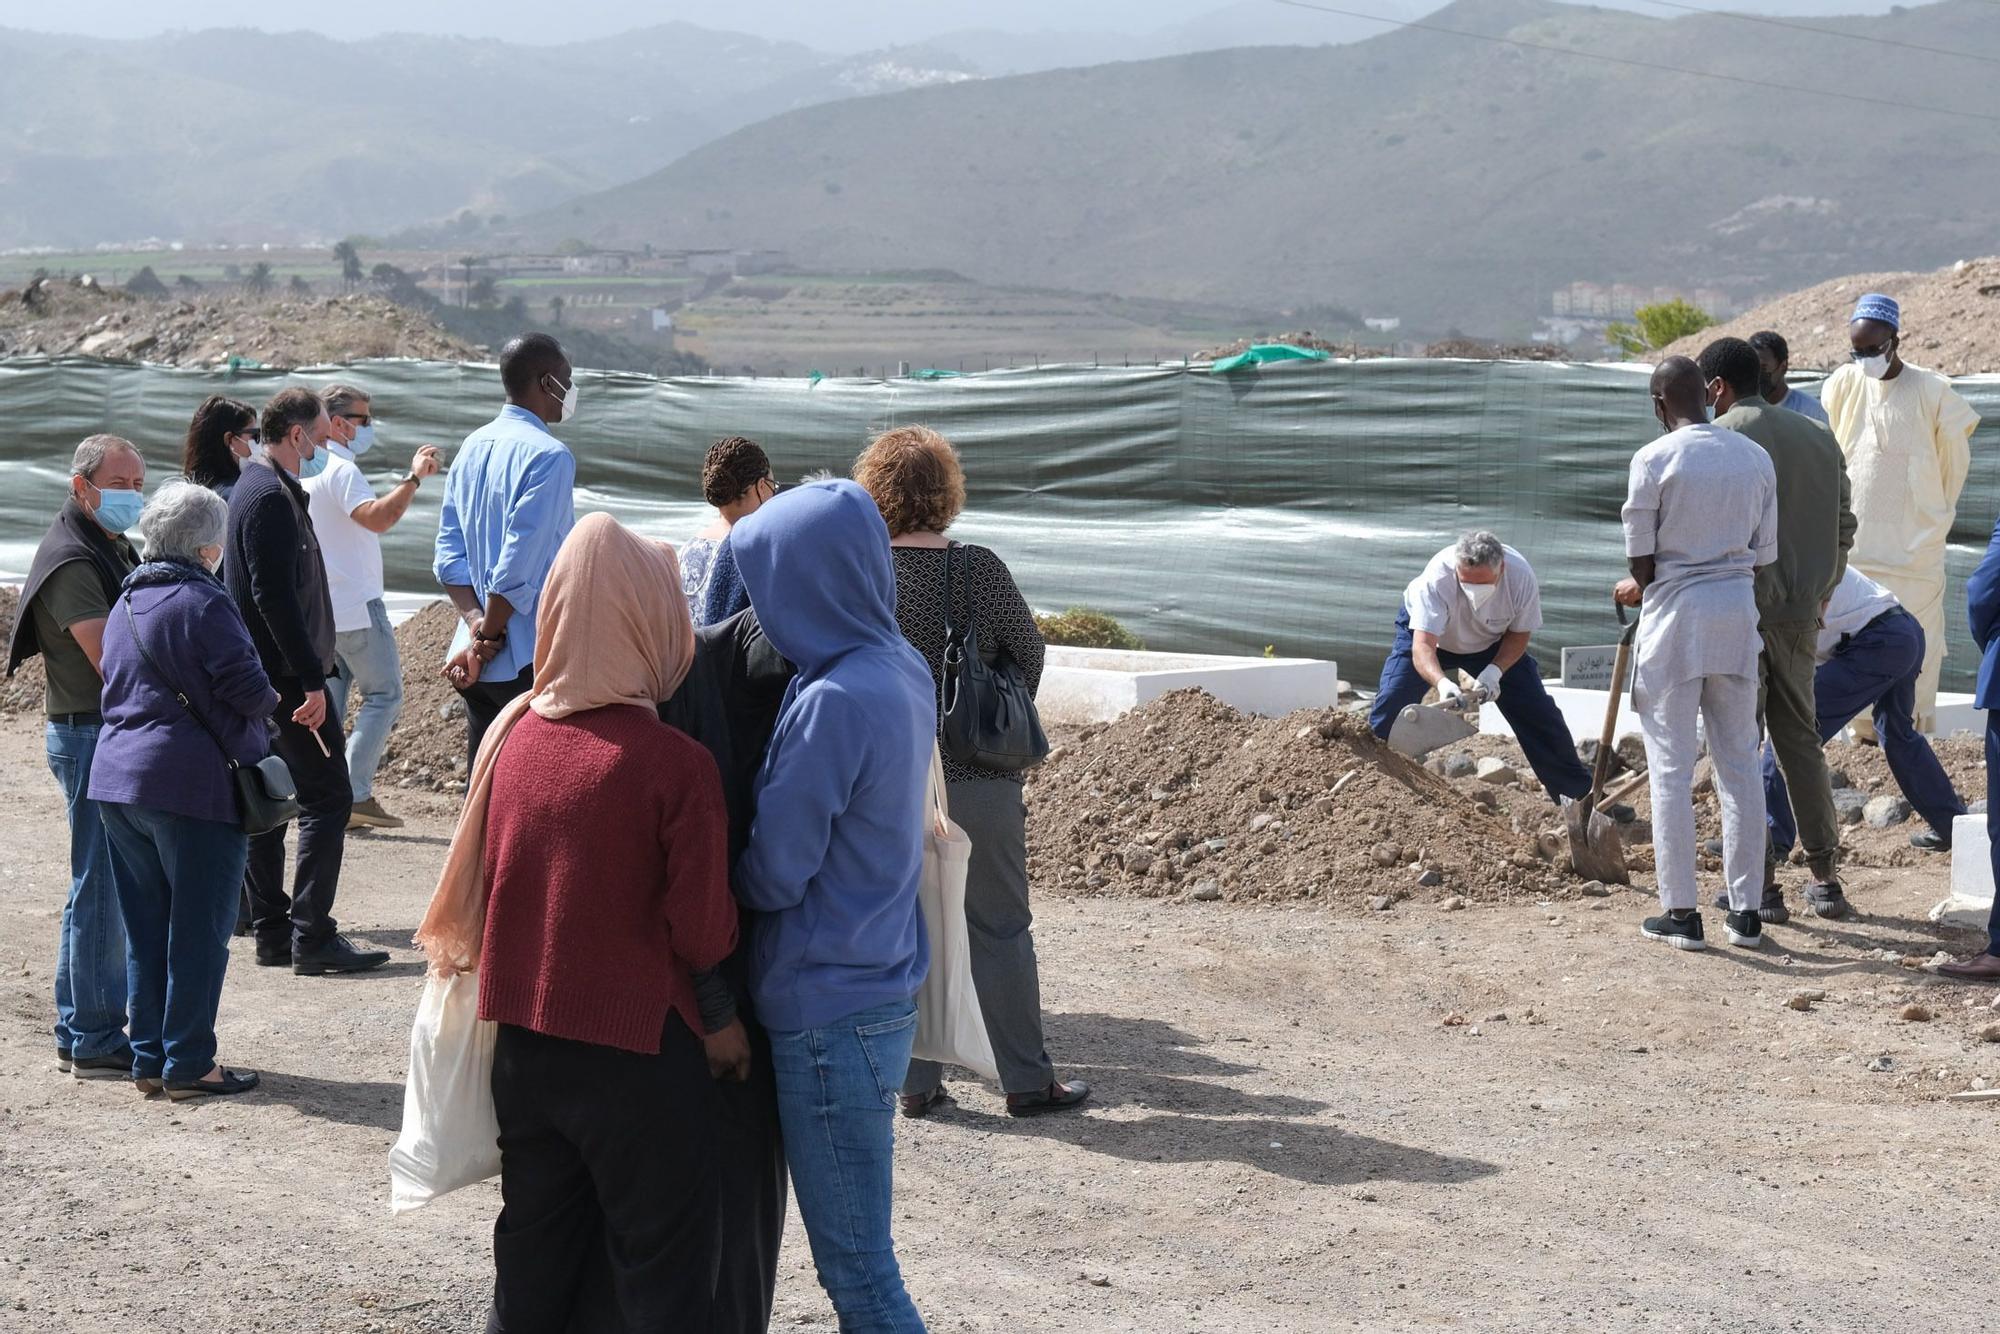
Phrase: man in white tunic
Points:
(1907, 436)
(1700, 515)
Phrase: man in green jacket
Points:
(1815, 530)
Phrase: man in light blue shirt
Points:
(507, 508)
(1775, 359)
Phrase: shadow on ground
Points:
(1191, 1118)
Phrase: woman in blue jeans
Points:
(831, 871)
(163, 783)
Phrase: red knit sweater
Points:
(606, 850)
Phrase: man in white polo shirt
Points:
(1472, 610)
(349, 519)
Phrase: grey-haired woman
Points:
(162, 778)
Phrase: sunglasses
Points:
(1881, 349)
(358, 418)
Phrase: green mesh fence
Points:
(1284, 505)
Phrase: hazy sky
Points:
(827, 25)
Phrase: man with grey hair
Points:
(72, 584)
(350, 519)
(1472, 610)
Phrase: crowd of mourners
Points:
(686, 868)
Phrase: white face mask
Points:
(1875, 368)
(569, 396)
(1478, 594)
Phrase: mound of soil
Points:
(1951, 319)
(79, 317)
(1478, 349)
(1303, 338)
(426, 748)
(22, 692)
(1188, 798)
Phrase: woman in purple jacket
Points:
(177, 849)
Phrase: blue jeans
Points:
(1874, 668)
(90, 960)
(1524, 702)
(837, 1105)
(1993, 824)
(366, 661)
(178, 882)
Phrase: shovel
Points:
(1421, 728)
(1596, 852)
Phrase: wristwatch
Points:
(412, 479)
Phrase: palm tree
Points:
(258, 281)
(350, 263)
(555, 310)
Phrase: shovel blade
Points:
(1596, 852)
(1420, 729)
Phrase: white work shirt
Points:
(353, 555)
(1436, 604)
(1856, 601)
(1703, 503)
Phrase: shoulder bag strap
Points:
(180, 696)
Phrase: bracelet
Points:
(489, 639)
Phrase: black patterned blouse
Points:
(1001, 614)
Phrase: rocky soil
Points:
(79, 317)
(1951, 319)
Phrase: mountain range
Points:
(1453, 173)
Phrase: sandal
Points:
(149, 1087)
(180, 1090)
(916, 1105)
(1057, 1097)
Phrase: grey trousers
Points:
(995, 818)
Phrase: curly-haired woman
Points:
(914, 475)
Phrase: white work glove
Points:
(1490, 678)
(1447, 690)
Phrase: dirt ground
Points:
(1308, 1118)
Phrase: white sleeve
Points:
(1428, 601)
(1528, 615)
(353, 489)
(1641, 511)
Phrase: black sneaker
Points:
(1930, 840)
(62, 1059)
(111, 1065)
(1745, 929)
(1681, 930)
(1772, 910)
(336, 954)
(1826, 899)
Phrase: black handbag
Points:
(987, 717)
(266, 796)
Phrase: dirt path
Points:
(1289, 1136)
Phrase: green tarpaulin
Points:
(1217, 513)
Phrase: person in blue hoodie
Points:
(835, 853)
(1982, 597)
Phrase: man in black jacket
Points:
(271, 563)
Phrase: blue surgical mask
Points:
(118, 511)
(314, 466)
(363, 441)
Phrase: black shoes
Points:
(1680, 929)
(1930, 840)
(336, 954)
(1745, 929)
(62, 1059)
(274, 956)
(1772, 911)
(112, 1065)
(1057, 1097)
(1825, 899)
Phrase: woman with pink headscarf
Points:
(588, 883)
